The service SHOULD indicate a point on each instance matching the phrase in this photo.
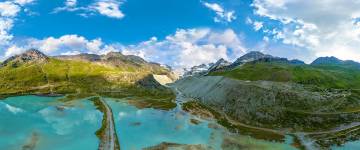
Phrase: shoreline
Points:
(107, 132)
(5, 96)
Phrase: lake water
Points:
(43, 123)
(141, 128)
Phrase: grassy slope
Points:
(321, 76)
(65, 76)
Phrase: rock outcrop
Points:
(197, 70)
(28, 56)
(162, 79)
(219, 65)
(251, 56)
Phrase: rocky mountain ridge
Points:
(220, 64)
(197, 70)
(115, 58)
(28, 56)
(336, 61)
(33, 72)
(255, 56)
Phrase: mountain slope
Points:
(28, 56)
(323, 76)
(271, 93)
(116, 59)
(40, 74)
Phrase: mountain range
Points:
(32, 72)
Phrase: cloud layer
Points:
(328, 28)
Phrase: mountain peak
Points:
(326, 60)
(251, 56)
(220, 64)
(114, 54)
(28, 56)
(34, 54)
(255, 53)
(336, 61)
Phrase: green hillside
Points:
(56, 76)
(322, 76)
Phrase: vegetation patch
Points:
(100, 133)
(79, 79)
(326, 140)
(203, 111)
(321, 76)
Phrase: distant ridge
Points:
(327, 60)
(256, 56)
(83, 56)
(113, 58)
(335, 61)
(220, 64)
(251, 57)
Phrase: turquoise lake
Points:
(43, 123)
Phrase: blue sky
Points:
(182, 33)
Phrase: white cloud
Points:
(51, 45)
(221, 14)
(14, 50)
(215, 7)
(248, 20)
(70, 3)
(71, 53)
(257, 25)
(8, 12)
(109, 8)
(94, 45)
(326, 27)
(5, 25)
(139, 53)
(9, 9)
(187, 48)
(64, 45)
(23, 2)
